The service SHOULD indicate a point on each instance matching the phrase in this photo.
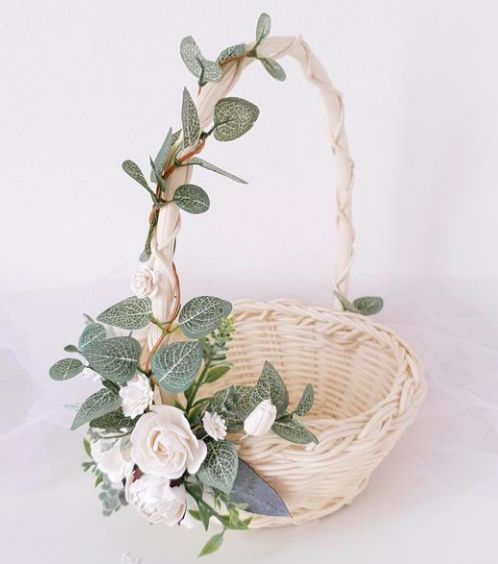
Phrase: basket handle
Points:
(169, 217)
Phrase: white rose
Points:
(261, 418)
(214, 425)
(144, 281)
(155, 500)
(163, 443)
(136, 396)
(113, 458)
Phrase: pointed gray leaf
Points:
(274, 69)
(258, 496)
(91, 333)
(213, 168)
(115, 359)
(306, 401)
(190, 120)
(220, 466)
(176, 366)
(231, 53)
(66, 368)
(102, 402)
(133, 170)
(233, 117)
(271, 386)
(158, 179)
(131, 313)
(263, 27)
(293, 431)
(202, 315)
(211, 72)
(162, 155)
(191, 55)
(191, 198)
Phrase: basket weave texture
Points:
(368, 383)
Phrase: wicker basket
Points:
(368, 383)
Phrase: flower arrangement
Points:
(159, 437)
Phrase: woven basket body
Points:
(368, 384)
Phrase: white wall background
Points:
(88, 84)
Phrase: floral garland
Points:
(178, 463)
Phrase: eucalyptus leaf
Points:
(201, 162)
(131, 313)
(293, 431)
(216, 372)
(263, 27)
(231, 53)
(201, 68)
(102, 402)
(271, 386)
(233, 117)
(202, 315)
(71, 348)
(162, 155)
(258, 496)
(190, 120)
(115, 359)
(66, 368)
(91, 333)
(306, 401)
(274, 69)
(369, 305)
(175, 366)
(191, 198)
(113, 421)
(211, 72)
(212, 545)
(219, 468)
(133, 170)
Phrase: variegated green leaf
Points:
(102, 402)
(162, 155)
(233, 117)
(369, 305)
(231, 53)
(91, 333)
(216, 372)
(292, 431)
(203, 314)
(66, 368)
(211, 72)
(133, 170)
(131, 313)
(157, 177)
(115, 359)
(113, 421)
(274, 69)
(219, 468)
(306, 401)
(176, 366)
(191, 198)
(190, 120)
(213, 168)
(191, 55)
(263, 27)
(271, 386)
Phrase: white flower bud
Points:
(261, 418)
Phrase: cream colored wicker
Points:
(368, 383)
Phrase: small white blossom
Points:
(112, 458)
(144, 282)
(136, 396)
(261, 418)
(214, 426)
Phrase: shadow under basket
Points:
(368, 387)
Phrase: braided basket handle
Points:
(169, 217)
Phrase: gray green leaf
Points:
(162, 155)
(271, 386)
(216, 372)
(190, 120)
(369, 305)
(113, 421)
(158, 179)
(274, 69)
(230, 53)
(292, 431)
(212, 545)
(213, 168)
(91, 333)
(133, 170)
(191, 198)
(191, 55)
(131, 313)
(233, 117)
(66, 368)
(71, 348)
(263, 27)
(219, 468)
(306, 401)
(115, 359)
(175, 366)
(201, 315)
(102, 402)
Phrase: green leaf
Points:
(157, 177)
(190, 120)
(115, 359)
(258, 496)
(213, 168)
(292, 431)
(219, 468)
(306, 401)
(271, 386)
(274, 69)
(212, 545)
(71, 348)
(175, 366)
(369, 305)
(93, 332)
(201, 315)
(133, 170)
(88, 450)
(233, 117)
(263, 27)
(131, 313)
(230, 53)
(66, 368)
(216, 372)
(191, 198)
(162, 155)
(102, 402)
(113, 421)
(201, 68)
